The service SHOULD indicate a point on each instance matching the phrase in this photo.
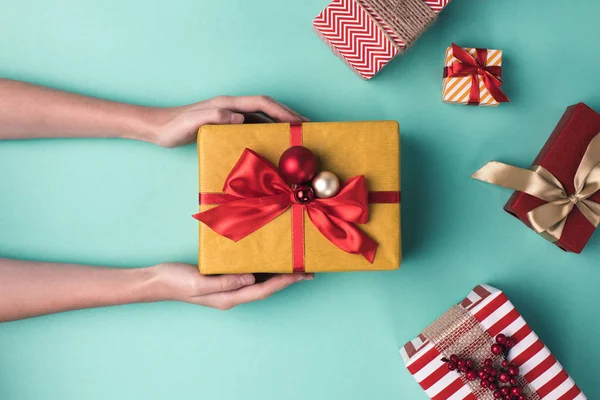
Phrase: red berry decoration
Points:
(297, 165)
(502, 382)
(471, 375)
(500, 339)
(304, 194)
(497, 349)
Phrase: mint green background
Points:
(123, 203)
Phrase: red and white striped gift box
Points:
(357, 35)
(496, 314)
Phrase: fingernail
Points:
(306, 277)
(248, 279)
(237, 118)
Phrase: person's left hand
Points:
(178, 126)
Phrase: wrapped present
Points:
(367, 34)
(558, 196)
(261, 210)
(473, 76)
(484, 338)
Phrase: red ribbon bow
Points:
(258, 194)
(476, 67)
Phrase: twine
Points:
(458, 332)
(407, 18)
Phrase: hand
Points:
(178, 126)
(183, 282)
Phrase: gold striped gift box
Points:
(456, 89)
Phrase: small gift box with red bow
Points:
(368, 34)
(312, 197)
(473, 76)
(558, 196)
(482, 349)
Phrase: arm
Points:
(29, 111)
(29, 289)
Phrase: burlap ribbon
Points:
(549, 219)
(408, 19)
(458, 332)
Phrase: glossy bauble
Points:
(327, 185)
(304, 194)
(297, 165)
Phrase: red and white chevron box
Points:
(494, 313)
(360, 37)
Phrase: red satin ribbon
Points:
(257, 194)
(476, 67)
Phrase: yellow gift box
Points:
(347, 149)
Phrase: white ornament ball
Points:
(326, 185)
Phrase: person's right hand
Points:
(183, 282)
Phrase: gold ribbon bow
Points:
(549, 219)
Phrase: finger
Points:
(304, 119)
(224, 283)
(218, 116)
(258, 291)
(263, 104)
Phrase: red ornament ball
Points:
(297, 165)
(488, 362)
(497, 394)
(513, 370)
(509, 342)
(493, 386)
(497, 349)
(505, 364)
(304, 194)
(493, 372)
(513, 381)
(505, 390)
(516, 391)
(469, 363)
(454, 358)
(503, 377)
(484, 384)
(522, 397)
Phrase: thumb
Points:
(220, 116)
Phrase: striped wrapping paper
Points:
(456, 89)
(360, 37)
(497, 315)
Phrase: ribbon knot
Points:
(467, 65)
(574, 199)
(549, 219)
(259, 194)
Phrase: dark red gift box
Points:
(561, 155)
